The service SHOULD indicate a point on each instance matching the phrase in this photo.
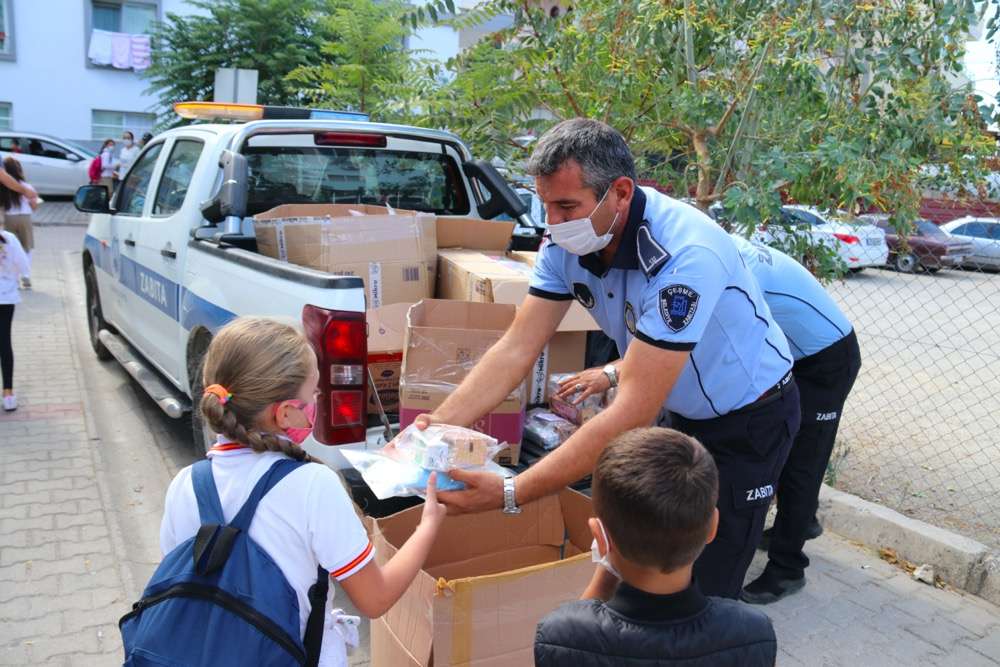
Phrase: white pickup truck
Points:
(170, 257)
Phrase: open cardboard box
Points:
(386, 336)
(393, 252)
(473, 266)
(444, 341)
(489, 579)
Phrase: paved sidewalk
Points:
(60, 589)
(59, 213)
(66, 574)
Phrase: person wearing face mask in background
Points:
(654, 493)
(697, 338)
(261, 380)
(126, 156)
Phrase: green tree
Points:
(272, 36)
(365, 64)
(833, 103)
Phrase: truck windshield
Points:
(413, 180)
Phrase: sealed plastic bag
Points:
(403, 467)
(441, 447)
(547, 429)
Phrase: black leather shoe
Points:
(768, 588)
(813, 531)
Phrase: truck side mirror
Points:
(230, 203)
(92, 199)
(502, 199)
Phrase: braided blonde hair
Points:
(261, 362)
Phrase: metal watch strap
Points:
(509, 499)
(611, 372)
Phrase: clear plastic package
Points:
(403, 467)
(548, 429)
(578, 414)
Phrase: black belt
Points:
(769, 396)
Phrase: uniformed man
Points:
(668, 285)
(827, 361)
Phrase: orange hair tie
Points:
(219, 392)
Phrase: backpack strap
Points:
(275, 474)
(313, 639)
(209, 506)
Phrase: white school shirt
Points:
(23, 207)
(305, 521)
(13, 265)
(126, 157)
(107, 163)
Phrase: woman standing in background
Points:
(13, 263)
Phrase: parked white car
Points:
(983, 234)
(858, 244)
(53, 166)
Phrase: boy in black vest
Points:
(655, 492)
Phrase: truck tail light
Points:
(849, 239)
(368, 139)
(340, 340)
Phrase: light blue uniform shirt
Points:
(808, 315)
(677, 282)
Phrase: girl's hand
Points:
(583, 384)
(434, 512)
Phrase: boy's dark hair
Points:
(655, 490)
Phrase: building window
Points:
(5, 116)
(6, 29)
(111, 124)
(134, 18)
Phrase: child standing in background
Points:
(13, 263)
(17, 209)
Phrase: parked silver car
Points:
(53, 166)
(984, 235)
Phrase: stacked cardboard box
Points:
(393, 252)
(484, 273)
(444, 341)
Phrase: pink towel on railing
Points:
(141, 52)
(121, 50)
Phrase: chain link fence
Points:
(921, 429)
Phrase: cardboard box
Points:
(486, 276)
(444, 340)
(394, 254)
(489, 579)
(386, 335)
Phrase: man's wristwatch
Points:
(612, 372)
(509, 502)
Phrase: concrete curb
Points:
(960, 561)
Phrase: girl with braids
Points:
(261, 378)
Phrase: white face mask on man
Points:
(595, 552)
(578, 236)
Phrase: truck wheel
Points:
(95, 318)
(907, 263)
(202, 437)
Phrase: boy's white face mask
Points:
(595, 553)
(578, 236)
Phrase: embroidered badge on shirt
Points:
(584, 295)
(630, 318)
(678, 304)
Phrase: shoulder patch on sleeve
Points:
(652, 255)
(678, 304)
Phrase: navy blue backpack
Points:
(218, 599)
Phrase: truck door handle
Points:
(130, 243)
(166, 252)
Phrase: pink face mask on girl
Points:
(296, 434)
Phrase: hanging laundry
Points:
(141, 52)
(99, 51)
(121, 50)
